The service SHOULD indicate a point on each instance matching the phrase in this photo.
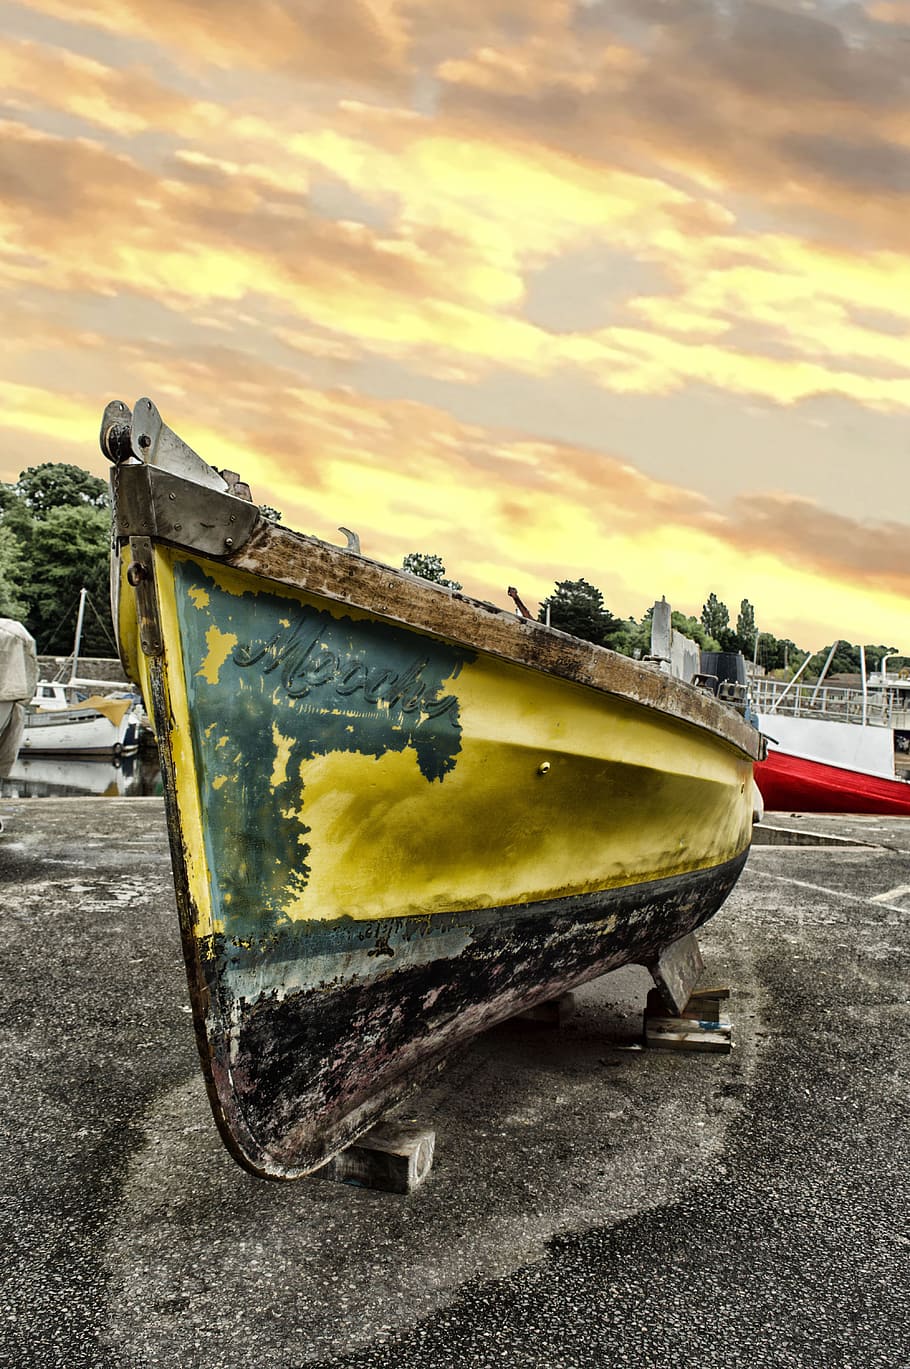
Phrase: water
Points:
(51, 777)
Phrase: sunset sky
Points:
(617, 290)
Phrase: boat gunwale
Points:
(310, 565)
(313, 566)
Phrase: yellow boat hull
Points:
(398, 816)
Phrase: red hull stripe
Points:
(811, 787)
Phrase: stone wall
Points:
(90, 668)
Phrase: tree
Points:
(15, 515)
(715, 616)
(745, 627)
(70, 549)
(692, 628)
(57, 485)
(632, 638)
(12, 604)
(578, 607)
(776, 653)
(428, 566)
(55, 539)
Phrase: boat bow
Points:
(397, 814)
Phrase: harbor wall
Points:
(90, 668)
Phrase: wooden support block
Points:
(686, 1036)
(554, 1012)
(392, 1156)
(703, 1006)
(676, 971)
(722, 1027)
(715, 991)
(699, 1027)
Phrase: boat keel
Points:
(676, 971)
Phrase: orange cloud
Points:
(355, 41)
(387, 193)
(122, 102)
(891, 12)
(499, 506)
(759, 100)
(440, 279)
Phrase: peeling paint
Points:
(283, 748)
(329, 1018)
(276, 674)
(220, 645)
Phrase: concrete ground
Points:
(591, 1203)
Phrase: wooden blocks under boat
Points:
(701, 1026)
(392, 1156)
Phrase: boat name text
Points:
(307, 662)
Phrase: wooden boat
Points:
(397, 815)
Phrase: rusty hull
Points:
(311, 1023)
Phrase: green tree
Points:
(745, 627)
(15, 515)
(715, 616)
(428, 566)
(57, 485)
(578, 607)
(775, 653)
(691, 627)
(70, 548)
(12, 602)
(632, 638)
(55, 539)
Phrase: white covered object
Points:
(18, 680)
(18, 663)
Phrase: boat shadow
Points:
(540, 1130)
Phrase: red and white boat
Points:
(834, 749)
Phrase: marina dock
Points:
(591, 1202)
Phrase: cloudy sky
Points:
(554, 288)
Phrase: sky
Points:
(552, 288)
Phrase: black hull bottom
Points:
(301, 1072)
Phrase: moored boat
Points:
(834, 748)
(81, 717)
(397, 815)
(56, 724)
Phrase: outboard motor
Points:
(723, 673)
(727, 667)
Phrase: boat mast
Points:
(824, 672)
(77, 641)
(780, 698)
(862, 666)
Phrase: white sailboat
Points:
(58, 722)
